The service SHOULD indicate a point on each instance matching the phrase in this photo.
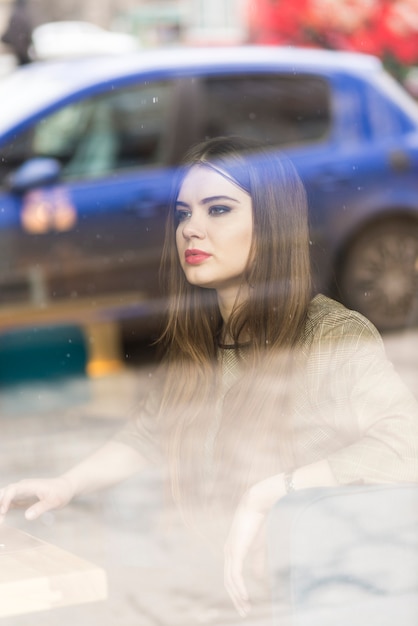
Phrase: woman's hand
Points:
(244, 529)
(41, 494)
(246, 524)
(107, 466)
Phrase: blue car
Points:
(88, 148)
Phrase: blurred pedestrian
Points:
(264, 389)
(18, 33)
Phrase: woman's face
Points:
(214, 232)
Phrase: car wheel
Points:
(379, 274)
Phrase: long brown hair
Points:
(252, 440)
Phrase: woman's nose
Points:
(193, 228)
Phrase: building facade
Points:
(187, 21)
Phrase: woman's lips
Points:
(194, 257)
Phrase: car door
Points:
(95, 233)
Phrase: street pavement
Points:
(159, 574)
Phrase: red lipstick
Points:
(195, 257)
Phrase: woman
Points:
(265, 390)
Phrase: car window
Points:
(280, 109)
(107, 133)
(384, 118)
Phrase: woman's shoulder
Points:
(331, 320)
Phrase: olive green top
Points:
(351, 407)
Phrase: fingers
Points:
(234, 584)
(36, 510)
(7, 495)
(244, 529)
(21, 494)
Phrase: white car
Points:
(55, 40)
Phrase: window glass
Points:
(114, 131)
(390, 90)
(280, 109)
(352, 124)
(385, 122)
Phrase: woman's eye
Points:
(218, 210)
(181, 215)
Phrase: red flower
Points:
(380, 27)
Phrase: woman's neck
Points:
(229, 300)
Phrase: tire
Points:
(379, 274)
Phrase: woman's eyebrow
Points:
(217, 199)
(208, 200)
